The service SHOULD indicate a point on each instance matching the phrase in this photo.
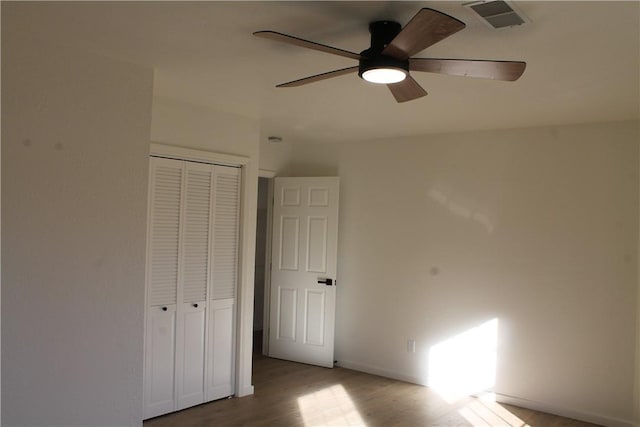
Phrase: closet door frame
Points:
(244, 287)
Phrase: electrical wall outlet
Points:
(411, 346)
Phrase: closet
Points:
(191, 284)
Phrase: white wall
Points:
(75, 133)
(186, 125)
(276, 156)
(535, 227)
(178, 123)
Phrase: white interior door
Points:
(303, 274)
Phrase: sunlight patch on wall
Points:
(461, 210)
(331, 406)
(465, 364)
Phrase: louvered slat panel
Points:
(225, 243)
(165, 229)
(196, 232)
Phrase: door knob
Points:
(328, 282)
(195, 305)
(164, 308)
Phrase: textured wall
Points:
(75, 138)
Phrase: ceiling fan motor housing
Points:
(382, 33)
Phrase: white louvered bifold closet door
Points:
(192, 274)
(196, 231)
(162, 273)
(225, 262)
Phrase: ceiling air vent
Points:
(498, 14)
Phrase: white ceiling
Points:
(582, 62)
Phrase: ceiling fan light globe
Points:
(384, 75)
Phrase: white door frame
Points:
(246, 250)
(263, 173)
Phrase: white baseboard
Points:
(374, 370)
(501, 398)
(550, 408)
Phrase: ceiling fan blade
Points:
(318, 77)
(406, 90)
(272, 35)
(426, 28)
(496, 70)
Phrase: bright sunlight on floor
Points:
(484, 411)
(459, 367)
(330, 406)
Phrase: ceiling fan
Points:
(388, 60)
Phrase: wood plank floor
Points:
(293, 394)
